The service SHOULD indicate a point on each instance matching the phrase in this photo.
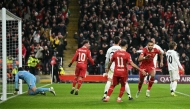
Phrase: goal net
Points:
(10, 52)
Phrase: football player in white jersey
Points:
(173, 64)
(156, 56)
(109, 54)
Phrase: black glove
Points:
(70, 65)
(16, 90)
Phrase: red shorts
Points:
(146, 69)
(80, 70)
(117, 79)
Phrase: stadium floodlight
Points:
(11, 49)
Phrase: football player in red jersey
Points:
(83, 54)
(121, 59)
(146, 59)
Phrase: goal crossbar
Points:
(9, 16)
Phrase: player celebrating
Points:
(31, 82)
(155, 57)
(83, 54)
(173, 63)
(121, 59)
(146, 59)
(109, 73)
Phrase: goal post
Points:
(5, 18)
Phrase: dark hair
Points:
(172, 45)
(150, 41)
(123, 43)
(85, 42)
(116, 39)
(20, 69)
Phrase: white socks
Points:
(106, 88)
(171, 86)
(127, 89)
(174, 86)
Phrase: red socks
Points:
(79, 84)
(74, 82)
(150, 83)
(122, 89)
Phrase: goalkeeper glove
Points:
(70, 65)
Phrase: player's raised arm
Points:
(136, 67)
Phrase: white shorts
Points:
(110, 74)
(174, 75)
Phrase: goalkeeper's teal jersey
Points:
(24, 75)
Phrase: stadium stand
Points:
(136, 21)
(44, 29)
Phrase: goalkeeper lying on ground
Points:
(31, 82)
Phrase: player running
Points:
(83, 54)
(155, 57)
(120, 75)
(31, 82)
(173, 64)
(109, 73)
(146, 58)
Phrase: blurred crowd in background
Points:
(44, 31)
(137, 21)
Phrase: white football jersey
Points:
(173, 60)
(109, 54)
(156, 56)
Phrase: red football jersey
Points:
(149, 62)
(83, 54)
(121, 58)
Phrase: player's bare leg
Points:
(122, 89)
(127, 89)
(74, 84)
(79, 85)
(151, 82)
(110, 90)
(140, 85)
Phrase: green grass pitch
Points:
(90, 96)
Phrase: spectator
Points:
(101, 62)
(185, 61)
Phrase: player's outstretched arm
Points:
(136, 67)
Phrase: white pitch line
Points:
(21, 94)
(182, 93)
